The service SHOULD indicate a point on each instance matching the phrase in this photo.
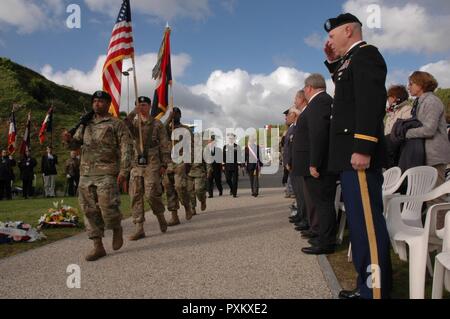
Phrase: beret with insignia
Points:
(101, 95)
(144, 99)
(342, 19)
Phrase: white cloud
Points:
(315, 40)
(90, 81)
(227, 99)
(441, 71)
(163, 9)
(253, 100)
(27, 16)
(406, 26)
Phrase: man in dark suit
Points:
(358, 150)
(314, 126)
(48, 169)
(308, 224)
(26, 166)
(232, 157)
(215, 174)
(6, 174)
(253, 164)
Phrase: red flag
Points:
(163, 73)
(26, 141)
(12, 134)
(120, 48)
(46, 125)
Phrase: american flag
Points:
(120, 48)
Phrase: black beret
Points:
(144, 99)
(286, 112)
(342, 19)
(101, 95)
(176, 110)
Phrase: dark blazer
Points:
(48, 166)
(359, 108)
(314, 125)
(250, 160)
(287, 147)
(232, 157)
(6, 168)
(217, 155)
(26, 166)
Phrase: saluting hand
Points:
(329, 52)
(360, 162)
(313, 171)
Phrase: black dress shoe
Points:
(314, 250)
(314, 241)
(210, 196)
(350, 294)
(301, 228)
(308, 234)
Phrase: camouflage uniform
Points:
(175, 179)
(197, 184)
(146, 180)
(106, 150)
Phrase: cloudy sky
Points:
(236, 63)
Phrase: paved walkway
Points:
(238, 248)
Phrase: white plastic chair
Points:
(442, 264)
(339, 207)
(391, 178)
(420, 240)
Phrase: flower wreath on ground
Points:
(60, 216)
(15, 232)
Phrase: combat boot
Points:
(162, 222)
(98, 251)
(189, 213)
(175, 220)
(139, 234)
(117, 238)
(203, 207)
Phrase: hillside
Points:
(20, 85)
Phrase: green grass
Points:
(29, 212)
(346, 274)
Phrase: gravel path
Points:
(238, 248)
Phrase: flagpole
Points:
(141, 142)
(51, 133)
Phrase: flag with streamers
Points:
(12, 133)
(162, 72)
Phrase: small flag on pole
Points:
(120, 48)
(46, 126)
(163, 73)
(26, 141)
(12, 134)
